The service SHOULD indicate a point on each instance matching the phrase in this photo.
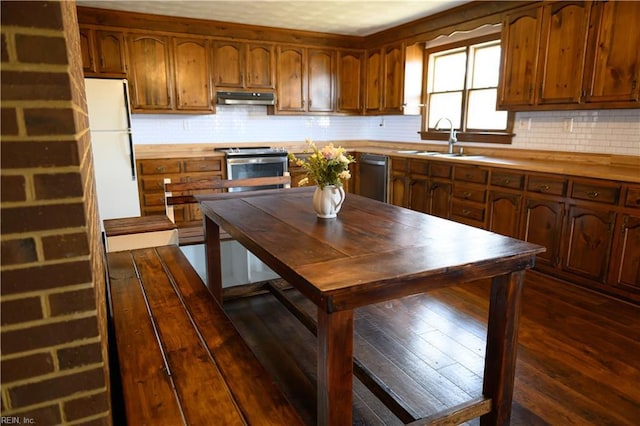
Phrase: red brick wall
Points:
(52, 297)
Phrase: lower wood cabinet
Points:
(590, 227)
(151, 175)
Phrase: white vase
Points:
(327, 201)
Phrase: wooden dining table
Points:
(374, 252)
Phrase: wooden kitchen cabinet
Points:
(151, 175)
(384, 80)
(305, 80)
(398, 182)
(349, 81)
(520, 44)
(562, 52)
(625, 259)
(321, 80)
(468, 204)
(192, 75)
(614, 60)
(505, 202)
(588, 242)
(571, 55)
(243, 65)
(87, 50)
(150, 77)
(103, 53)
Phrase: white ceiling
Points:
(349, 17)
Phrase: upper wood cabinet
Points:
(373, 81)
(321, 71)
(103, 53)
(562, 54)
(150, 76)
(571, 55)
(615, 56)
(305, 80)
(349, 81)
(192, 74)
(520, 43)
(243, 65)
(385, 70)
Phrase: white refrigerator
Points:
(112, 146)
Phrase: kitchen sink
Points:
(456, 155)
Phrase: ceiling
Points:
(348, 17)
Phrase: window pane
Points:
(449, 72)
(486, 66)
(482, 112)
(445, 105)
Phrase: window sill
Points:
(480, 137)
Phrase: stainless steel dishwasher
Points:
(373, 176)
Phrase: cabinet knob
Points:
(160, 169)
(506, 181)
(466, 194)
(466, 212)
(593, 194)
(544, 187)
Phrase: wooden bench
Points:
(182, 193)
(181, 359)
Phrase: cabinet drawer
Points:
(398, 164)
(598, 193)
(471, 174)
(460, 209)
(440, 170)
(471, 194)
(507, 179)
(155, 167)
(154, 183)
(153, 199)
(200, 165)
(547, 185)
(633, 197)
(418, 167)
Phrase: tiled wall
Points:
(54, 362)
(597, 131)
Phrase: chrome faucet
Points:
(452, 133)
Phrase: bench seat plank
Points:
(255, 392)
(182, 361)
(200, 386)
(149, 395)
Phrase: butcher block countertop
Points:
(600, 166)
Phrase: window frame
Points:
(479, 136)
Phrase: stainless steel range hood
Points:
(246, 98)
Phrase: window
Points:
(462, 85)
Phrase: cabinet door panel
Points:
(110, 50)
(259, 64)
(86, 50)
(543, 225)
(150, 68)
(192, 75)
(350, 82)
(616, 63)
(291, 85)
(440, 199)
(626, 266)
(373, 86)
(393, 79)
(564, 35)
(228, 64)
(321, 65)
(589, 242)
(520, 42)
(419, 194)
(504, 213)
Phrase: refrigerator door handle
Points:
(129, 135)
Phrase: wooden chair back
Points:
(215, 185)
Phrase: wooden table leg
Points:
(212, 251)
(502, 344)
(335, 368)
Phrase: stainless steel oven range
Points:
(253, 162)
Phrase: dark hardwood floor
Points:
(578, 353)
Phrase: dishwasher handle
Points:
(374, 160)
